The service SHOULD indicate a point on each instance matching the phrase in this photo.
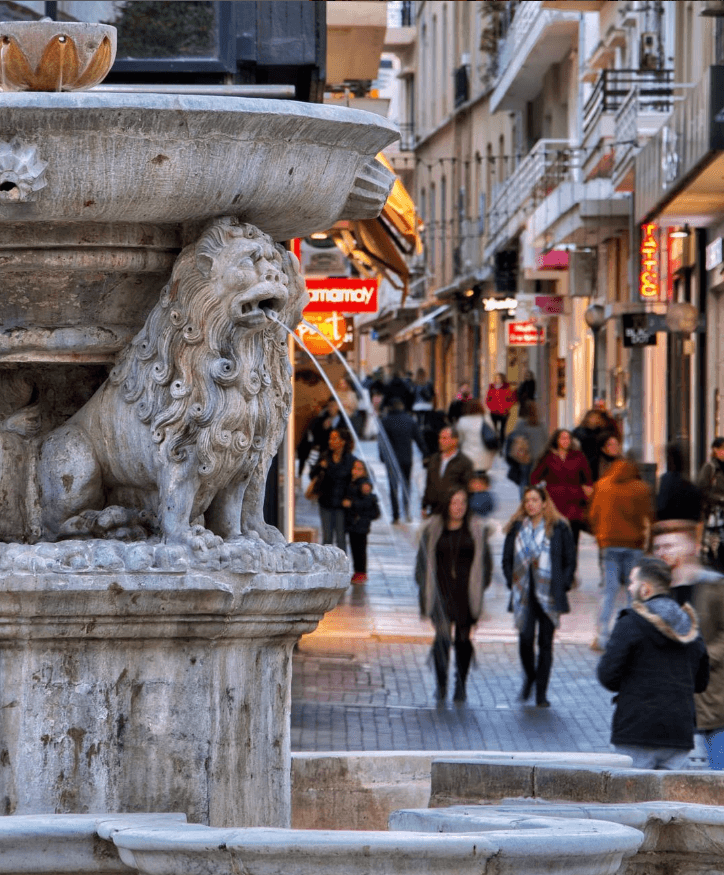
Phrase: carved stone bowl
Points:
(54, 55)
(99, 191)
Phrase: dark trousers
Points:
(399, 478)
(441, 653)
(332, 520)
(358, 548)
(541, 672)
(576, 529)
(499, 421)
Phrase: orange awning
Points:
(381, 246)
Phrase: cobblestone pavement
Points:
(363, 679)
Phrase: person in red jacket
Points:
(499, 401)
(564, 470)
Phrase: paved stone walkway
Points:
(363, 679)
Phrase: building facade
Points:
(566, 167)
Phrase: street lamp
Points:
(682, 317)
(595, 317)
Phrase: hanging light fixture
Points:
(681, 233)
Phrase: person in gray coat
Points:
(452, 571)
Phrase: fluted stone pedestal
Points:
(131, 682)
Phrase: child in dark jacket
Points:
(360, 508)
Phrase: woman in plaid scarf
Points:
(539, 561)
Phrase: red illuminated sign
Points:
(525, 334)
(649, 278)
(342, 295)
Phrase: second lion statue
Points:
(190, 417)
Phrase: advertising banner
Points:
(342, 295)
(525, 334)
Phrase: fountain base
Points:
(139, 677)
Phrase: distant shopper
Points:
(500, 399)
(448, 469)
(395, 387)
(711, 484)
(677, 498)
(621, 515)
(361, 508)
(526, 391)
(591, 434)
(449, 572)
(655, 662)
(564, 470)
(423, 397)
(472, 427)
(538, 565)
(480, 498)
(525, 446)
(398, 431)
(455, 410)
(331, 476)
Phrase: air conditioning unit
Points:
(649, 51)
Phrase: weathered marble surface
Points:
(166, 689)
(475, 781)
(287, 167)
(68, 843)
(576, 846)
(678, 837)
(360, 789)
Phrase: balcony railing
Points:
(654, 89)
(407, 136)
(546, 166)
(637, 119)
(526, 14)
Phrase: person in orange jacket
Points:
(499, 401)
(621, 515)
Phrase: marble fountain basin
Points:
(163, 844)
(287, 167)
(99, 191)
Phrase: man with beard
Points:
(655, 662)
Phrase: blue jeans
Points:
(714, 741)
(617, 565)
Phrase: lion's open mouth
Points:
(254, 313)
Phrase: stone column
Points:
(154, 690)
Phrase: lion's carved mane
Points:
(211, 382)
(196, 379)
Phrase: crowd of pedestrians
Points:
(663, 656)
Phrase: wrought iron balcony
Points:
(654, 89)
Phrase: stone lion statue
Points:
(190, 417)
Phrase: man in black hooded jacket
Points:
(655, 661)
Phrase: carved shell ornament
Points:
(54, 55)
(22, 172)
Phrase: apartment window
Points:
(424, 79)
(445, 79)
(443, 225)
(435, 80)
(432, 236)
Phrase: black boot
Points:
(441, 657)
(463, 655)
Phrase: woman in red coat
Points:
(499, 400)
(567, 477)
